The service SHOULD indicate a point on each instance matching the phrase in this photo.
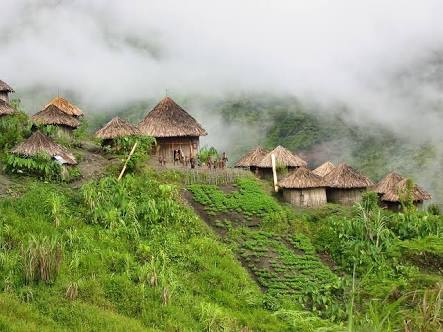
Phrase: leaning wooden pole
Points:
(274, 172)
(126, 162)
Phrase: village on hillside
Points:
(176, 143)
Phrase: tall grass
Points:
(42, 259)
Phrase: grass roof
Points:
(39, 143)
(65, 106)
(52, 115)
(4, 87)
(5, 108)
(301, 178)
(252, 158)
(168, 119)
(344, 176)
(117, 127)
(418, 193)
(283, 157)
(324, 169)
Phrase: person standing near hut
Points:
(192, 161)
(209, 162)
(224, 160)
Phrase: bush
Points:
(42, 166)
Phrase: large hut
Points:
(303, 188)
(116, 128)
(251, 159)
(324, 169)
(54, 116)
(66, 107)
(5, 108)
(345, 185)
(283, 158)
(392, 186)
(5, 90)
(38, 144)
(173, 128)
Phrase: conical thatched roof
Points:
(344, 176)
(65, 106)
(283, 157)
(168, 119)
(252, 158)
(393, 195)
(5, 108)
(302, 178)
(52, 115)
(388, 183)
(39, 143)
(4, 87)
(117, 127)
(324, 169)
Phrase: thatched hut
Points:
(116, 128)
(5, 90)
(303, 188)
(66, 107)
(284, 159)
(251, 159)
(173, 128)
(345, 185)
(324, 169)
(392, 186)
(54, 116)
(38, 144)
(5, 108)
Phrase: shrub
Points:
(42, 166)
(41, 260)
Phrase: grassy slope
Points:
(112, 266)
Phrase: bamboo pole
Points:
(274, 172)
(126, 162)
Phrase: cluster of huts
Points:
(172, 127)
(340, 184)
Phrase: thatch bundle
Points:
(4, 87)
(65, 106)
(52, 115)
(388, 183)
(283, 157)
(344, 176)
(117, 127)
(5, 108)
(167, 119)
(393, 195)
(252, 158)
(39, 143)
(324, 169)
(300, 179)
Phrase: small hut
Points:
(5, 108)
(66, 107)
(324, 169)
(392, 186)
(54, 116)
(5, 90)
(303, 188)
(38, 144)
(283, 158)
(252, 159)
(173, 128)
(116, 128)
(345, 185)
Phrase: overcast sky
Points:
(355, 52)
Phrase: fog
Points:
(380, 58)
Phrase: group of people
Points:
(185, 161)
(218, 163)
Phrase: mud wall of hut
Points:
(166, 145)
(344, 196)
(310, 197)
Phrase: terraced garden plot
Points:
(286, 267)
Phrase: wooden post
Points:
(126, 162)
(274, 172)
